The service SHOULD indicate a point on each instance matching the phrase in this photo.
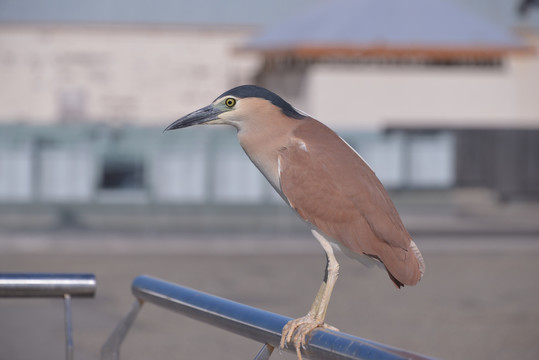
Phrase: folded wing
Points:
(332, 187)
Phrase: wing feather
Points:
(318, 167)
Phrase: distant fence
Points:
(504, 160)
(98, 164)
(50, 285)
(259, 325)
(92, 163)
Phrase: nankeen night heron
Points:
(325, 181)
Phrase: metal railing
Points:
(51, 285)
(256, 324)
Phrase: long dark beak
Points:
(199, 116)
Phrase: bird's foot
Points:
(297, 330)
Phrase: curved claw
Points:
(297, 330)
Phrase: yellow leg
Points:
(297, 329)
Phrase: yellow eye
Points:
(230, 102)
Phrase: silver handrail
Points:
(48, 285)
(256, 324)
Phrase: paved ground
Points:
(478, 299)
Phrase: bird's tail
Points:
(410, 268)
(418, 256)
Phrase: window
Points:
(122, 173)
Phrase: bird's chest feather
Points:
(264, 155)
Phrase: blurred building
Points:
(125, 62)
(422, 63)
(454, 83)
(434, 94)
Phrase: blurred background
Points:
(441, 97)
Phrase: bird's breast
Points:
(270, 169)
(266, 162)
(262, 147)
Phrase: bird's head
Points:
(238, 106)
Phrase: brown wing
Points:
(330, 186)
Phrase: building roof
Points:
(518, 14)
(434, 28)
(161, 12)
(218, 12)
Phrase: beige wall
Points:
(526, 76)
(373, 97)
(120, 74)
(152, 75)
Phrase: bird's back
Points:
(332, 187)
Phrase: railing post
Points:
(51, 285)
(265, 352)
(111, 348)
(68, 327)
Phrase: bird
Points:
(326, 182)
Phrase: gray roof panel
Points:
(391, 23)
(200, 12)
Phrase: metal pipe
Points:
(68, 327)
(111, 349)
(51, 285)
(264, 353)
(47, 285)
(257, 324)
